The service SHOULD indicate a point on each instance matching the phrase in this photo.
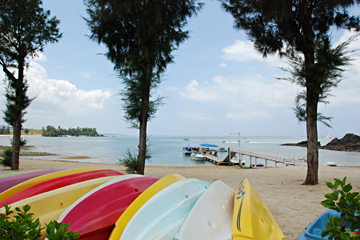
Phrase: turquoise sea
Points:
(167, 151)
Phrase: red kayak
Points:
(60, 182)
(10, 181)
(94, 215)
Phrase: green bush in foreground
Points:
(6, 155)
(24, 226)
(348, 204)
(131, 162)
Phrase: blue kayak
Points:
(315, 228)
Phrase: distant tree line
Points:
(51, 131)
(5, 130)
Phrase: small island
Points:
(349, 143)
(299, 144)
(51, 131)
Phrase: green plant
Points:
(58, 231)
(131, 162)
(23, 226)
(348, 204)
(6, 155)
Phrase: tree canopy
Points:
(25, 28)
(300, 30)
(140, 36)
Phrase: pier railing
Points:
(277, 156)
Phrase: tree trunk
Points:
(144, 118)
(312, 141)
(15, 149)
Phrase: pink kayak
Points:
(94, 215)
(10, 181)
(60, 182)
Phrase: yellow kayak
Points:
(140, 201)
(251, 218)
(33, 181)
(50, 205)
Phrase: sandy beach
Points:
(293, 205)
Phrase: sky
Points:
(218, 84)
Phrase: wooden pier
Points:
(277, 156)
(283, 157)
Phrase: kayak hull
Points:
(60, 182)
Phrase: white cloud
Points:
(222, 65)
(244, 51)
(40, 57)
(194, 91)
(254, 90)
(61, 95)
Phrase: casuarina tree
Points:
(25, 28)
(140, 36)
(300, 30)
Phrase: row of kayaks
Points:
(106, 204)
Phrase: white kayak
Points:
(162, 215)
(211, 216)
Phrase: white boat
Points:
(202, 224)
(197, 157)
(189, 150)
(210, 149)
(235, 160)
(331, 164)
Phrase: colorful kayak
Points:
(33, 181)
(14, 173)
(140, 201)
(50, 205)
(251, 218)
(60, 182)
(315, 228)
(107, 202)
(10, 181)
(162, 215)
(211, 216)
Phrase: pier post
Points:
(256, 162)
(250, 161)
(275, 163)
(266, 163)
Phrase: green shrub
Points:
(348, 204)
(24, 226)
(6, 155)
(131, 162)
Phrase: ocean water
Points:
(167, 151)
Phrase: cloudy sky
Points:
(218, 84)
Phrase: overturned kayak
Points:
(42, 178)
(124, 219)
(252, 219)
(162, 215)
(211, 216)
(50, 205)
(94, 215)
(60, 182)
(9, 181)
(315, 228)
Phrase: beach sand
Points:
(293, 205)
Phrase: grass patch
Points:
(33, 132)
(36, 154)
(78, 157)
(21, 148)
